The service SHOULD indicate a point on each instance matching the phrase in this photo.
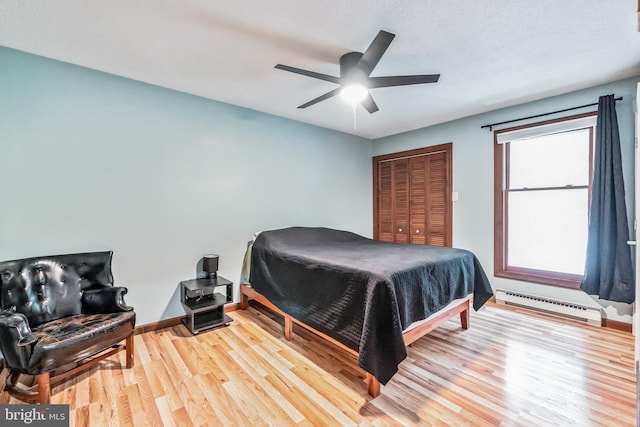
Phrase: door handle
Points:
(632, 242)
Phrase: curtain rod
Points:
(490, 126)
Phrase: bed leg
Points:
(373, 385)
(465, 316)
(244, 301)
(288, 328)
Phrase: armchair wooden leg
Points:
(129, 351)
(4, 374)
(44, 388)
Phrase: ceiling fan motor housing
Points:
(349, 70)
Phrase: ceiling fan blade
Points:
(321, 98)
(402, 80)
(369, 104)
(374, 52)
(307, 73)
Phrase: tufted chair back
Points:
(51, 287)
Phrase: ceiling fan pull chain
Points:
(353, 107)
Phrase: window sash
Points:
(541, 233)
(549, 161)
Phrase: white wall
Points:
(90, 161)
(473, 176)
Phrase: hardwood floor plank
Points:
(244, 404)
(82, 390)
(258, 377)
(96, 389)
(252, 388)
(511, 368)
(241, 351)
(305, 407)
(166, 414)
(192, 358)
(141, 354)
(80, 416)
(181, 417)
(176, 367)
(197, 406)
(162, 385)
(147, 396)
(138, 416)
(97, 415)
(125, 417)
(214, 367)
(280, 368)
(330, 413)
(214, 338)
(221, 401)
(152, 345)
(111, 395)
(156, 386)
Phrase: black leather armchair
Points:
(60, 314)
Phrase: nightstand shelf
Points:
(204, 307)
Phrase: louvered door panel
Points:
(385, 201)
(418, 202)
(401, 203)
(437, 199)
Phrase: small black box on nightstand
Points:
(203, 305)
(199, 288)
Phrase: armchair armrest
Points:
(109, 299)
(16, 340)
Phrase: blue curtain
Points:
(608, 271)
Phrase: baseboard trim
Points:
(161, 324)
(617, 325)
(174, 321)
(231, 307)
(606, 323)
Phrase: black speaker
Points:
(210, 265)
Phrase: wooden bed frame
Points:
(416, 331)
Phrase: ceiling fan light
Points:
(354, 93)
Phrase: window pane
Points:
(550, 161)
(548, 230)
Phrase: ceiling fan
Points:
(355, 75)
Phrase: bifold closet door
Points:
(393, 201)
(412, 196)
(428, 195)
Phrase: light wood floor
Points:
(509, 368)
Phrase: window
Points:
(542, 190)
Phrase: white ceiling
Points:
(490, 54)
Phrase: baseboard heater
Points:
(591, 315)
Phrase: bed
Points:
(369, 297)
